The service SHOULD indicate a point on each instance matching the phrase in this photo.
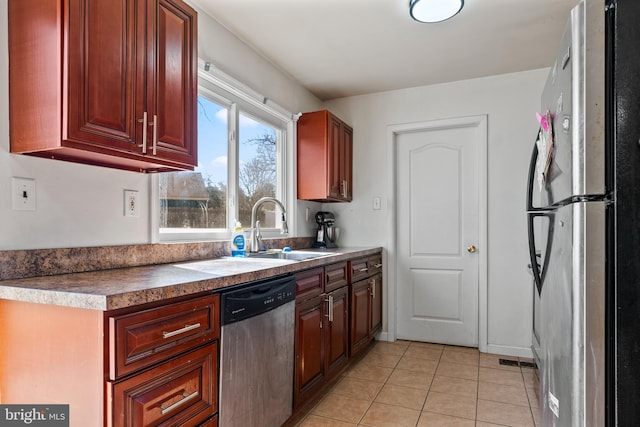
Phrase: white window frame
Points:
(228, 92)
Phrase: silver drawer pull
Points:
(362, 270)
(185, 399)
(378, 265)
(187, 328)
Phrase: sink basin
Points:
(293, 256)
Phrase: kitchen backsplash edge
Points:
(17, 264)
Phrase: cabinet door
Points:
(360, 316)
(335, 157)
(309, 367)
(171, 71)
(376, 304)
(337, 344)
(100, 103)
(346, 162)
(324, 157)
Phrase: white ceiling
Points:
(338, 48)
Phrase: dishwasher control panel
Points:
(256, 298)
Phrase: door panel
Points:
(338, 330)
(437, 294)
(438, 220)
(100, 99)
(309, 347)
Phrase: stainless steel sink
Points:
(293, 256)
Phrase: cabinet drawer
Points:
(211, 422)
(146, 337)
(181, 391)
(309, 283)
(358, 269)
(375, 264)
(335, 276)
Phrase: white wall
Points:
(80, 205)
(510, 102)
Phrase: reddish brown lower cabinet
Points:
(360, 316)
(337, 340)
(366, 301)
(376, 304)
(309, 347)
(163, 364)
(322, 329)
(181, 391)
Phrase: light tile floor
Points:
(418, 384)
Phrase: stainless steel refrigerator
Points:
(583, 209)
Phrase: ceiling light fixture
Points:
(434, 10)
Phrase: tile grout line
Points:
(429, 390)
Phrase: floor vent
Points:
(528, 365)
(509, 362)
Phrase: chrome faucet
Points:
(256, 235)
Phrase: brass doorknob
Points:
(471, 249)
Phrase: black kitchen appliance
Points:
(327, 233)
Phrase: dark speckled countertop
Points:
(124, 287)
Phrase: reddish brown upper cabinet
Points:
(104, 82)
(325, 152)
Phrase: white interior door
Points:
(437, 235)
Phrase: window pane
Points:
(257, 176)
(199, 199)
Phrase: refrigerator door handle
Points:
(532, 176)
(534, 254)
(533, 212)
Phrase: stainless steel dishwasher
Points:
(257, 353)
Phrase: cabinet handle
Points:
(378, 265)
(185, 399)
(364, 270)
(344, 188)
(330, 308)
(329, 302)
(372, 282)
(186, 328)
(155, 133)
(143, 120)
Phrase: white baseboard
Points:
(382, 336)
(510, 351)
(491, 348)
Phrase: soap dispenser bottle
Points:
(238, 247)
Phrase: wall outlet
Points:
(131, 203)
(23, 194)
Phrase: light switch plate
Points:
(377, 203)
(131, 203)
(23, 194)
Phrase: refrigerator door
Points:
(574, 95)
(572, 278)
(572, 308)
